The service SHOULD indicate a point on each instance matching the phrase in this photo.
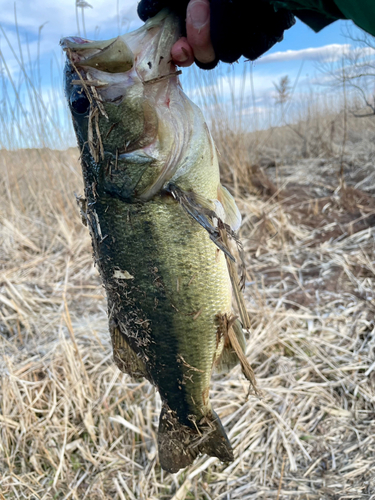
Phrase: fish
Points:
(160, 222)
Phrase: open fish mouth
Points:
(143, 54)
(118, 88)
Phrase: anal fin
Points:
(234, 333)
(228, 358)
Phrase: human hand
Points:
(197, 44)
(222, 30)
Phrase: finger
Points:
(198, 30)
(182, 53)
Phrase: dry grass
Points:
(73, 426)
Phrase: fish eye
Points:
(79, 102)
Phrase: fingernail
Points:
(199, 14)
(183, 56)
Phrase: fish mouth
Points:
(146, 50)
(132, 81)
(152, 44)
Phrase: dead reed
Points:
(73, 426)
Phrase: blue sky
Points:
(106, 18)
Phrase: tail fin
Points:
(214, 440)
(180, 444)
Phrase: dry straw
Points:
(73, 426)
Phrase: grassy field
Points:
(73, 426)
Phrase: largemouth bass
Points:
(156, 211)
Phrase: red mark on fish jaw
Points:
(167, 102)
(76, 39)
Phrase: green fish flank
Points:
(177, 282)
(152, 195)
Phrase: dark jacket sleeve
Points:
(246, 28)
(319, 13)
(251, 27)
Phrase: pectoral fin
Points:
(202, 211)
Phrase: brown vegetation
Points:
(73, 426)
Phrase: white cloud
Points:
(327, 52)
